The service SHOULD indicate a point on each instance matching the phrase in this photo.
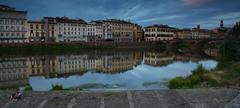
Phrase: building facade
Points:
(184, 34)
(201, 34)
(12, 25)
(13, 72)
(41, 31)
(117, 30)
(69, 30)
(98, 30)
(159, 33)
(137, 33)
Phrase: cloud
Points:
(226, 16)
(194, 3)
(168, 17)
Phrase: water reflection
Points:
(99, 70)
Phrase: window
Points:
(37, 34)
(52, 33)
(1, 28)
(37, 26)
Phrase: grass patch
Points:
(200, 78)
(57, 87)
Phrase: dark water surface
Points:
(99, 70)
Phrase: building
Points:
(137, 33)
(159, 33)
(117, 30)
(97, 30)
(198, 33)
(158, 59)
(69, 30)
(12, 25)
(221, 30)
(35, 31)
(184, 34)
(41, 31)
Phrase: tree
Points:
(231, 47)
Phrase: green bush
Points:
(177, 82)
(57, 87)
(28, 88)
(199, 78)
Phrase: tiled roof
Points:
(159, 26)
(65, 20)
(115, 21)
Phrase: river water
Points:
(99, 70)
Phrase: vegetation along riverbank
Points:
(227, 72)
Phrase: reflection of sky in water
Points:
(133, 79)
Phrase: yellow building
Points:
(137, 33)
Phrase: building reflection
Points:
(165, 58)
(16, 71)
(13, 72)
(158, 59)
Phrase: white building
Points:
(117, 30)
(96, 29)
(69, 30)
(12, 25)
(159, 33)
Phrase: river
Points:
(99, 70)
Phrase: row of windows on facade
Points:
(12, 22)
(158, 35)
(12, 28)
(152, 39)
(119, 33)
(42, 26)
(13, 34)
(122, 25)
(159, 30)
(14, 71)
(10, 15)
(65, 28)
(11, 64)
(42, 33)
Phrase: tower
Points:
(198, 27)
(221, 24)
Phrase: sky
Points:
(175, 13)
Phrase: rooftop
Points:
(65, 20)
(115, 21)
(159, 26)
(5, 8)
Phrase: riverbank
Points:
(188, 98)
(58, 47)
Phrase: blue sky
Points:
(176, 13)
